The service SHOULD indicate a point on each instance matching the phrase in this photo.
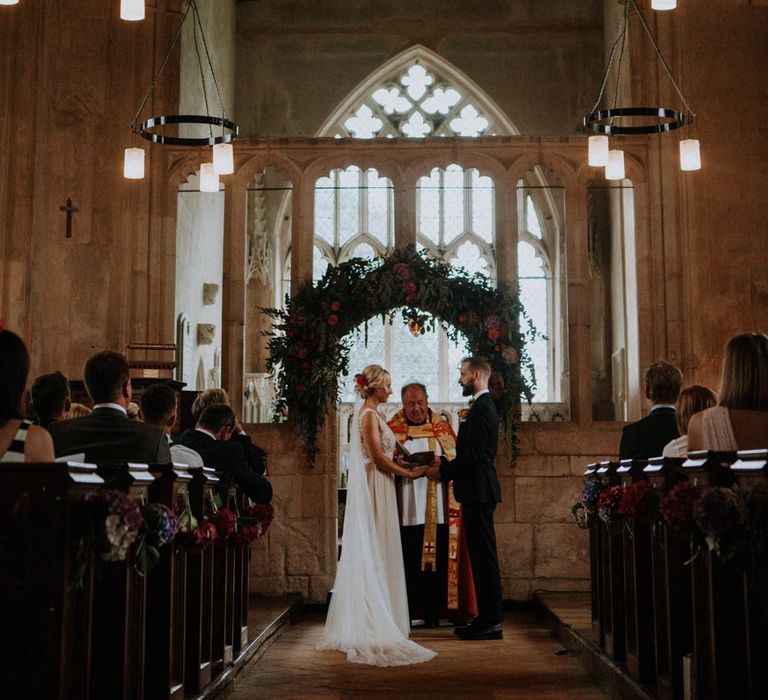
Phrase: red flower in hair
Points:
(360, 379)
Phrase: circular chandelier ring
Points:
(154, 122)
(592, 122)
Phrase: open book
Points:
(405, 455)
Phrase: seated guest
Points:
(692, 399)
(107, 435)
(647, 437)
(78, 409)
(132, 411)
(50, 398)
(740, 420)
(210, 439)
(209, 397)
(257, 458)
(20, 441)
(159, 405)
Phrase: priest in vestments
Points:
(437, 570)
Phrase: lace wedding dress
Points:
(368, 615)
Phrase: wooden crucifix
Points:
(70, 210)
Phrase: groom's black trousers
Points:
(481, 542)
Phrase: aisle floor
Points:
(525, 664)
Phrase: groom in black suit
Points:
(476, 487)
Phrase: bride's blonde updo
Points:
(371, 378)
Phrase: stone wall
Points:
(540, 61)
(540, 546)
(72, 76)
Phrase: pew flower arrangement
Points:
(721, 519)
(584, 510)
(195, 535)
(640, 501)
(608, 508)
(245, 527)
(114, 523)
(676, 508)
(225, 522)
(160, 528)
(254, 522)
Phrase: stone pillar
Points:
(302, 234)
(578, 302)
(233, 293)
(506, 231)
(405, 210)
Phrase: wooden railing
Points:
(75, 626)
(682, 619)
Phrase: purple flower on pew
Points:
(161, 523)
(677, 507)
(591, 492)
(608, 505)
(720, 517)
(115, 522)
(160, 527)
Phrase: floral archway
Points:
(310, 340)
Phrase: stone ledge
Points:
(579, 643)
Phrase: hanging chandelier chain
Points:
(193, 3)
(619, 36)
(157, 75)
(195, 23)
(621, 58)
(662, 59)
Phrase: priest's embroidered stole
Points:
(437, 431)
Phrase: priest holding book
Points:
(437, 571)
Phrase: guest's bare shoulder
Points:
(39, 446)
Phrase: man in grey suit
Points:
(107, 435)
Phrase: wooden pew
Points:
(751, 471)
(595, 566)
(166, 595)
(612, 558)
(223, 586)
(119, 604)
(45, 617)
(720, 667)
(199, 624)
(673, 621)
(242, 554)
(638, 584)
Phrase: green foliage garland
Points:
(310, 339)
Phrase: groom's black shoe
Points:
(472, 632)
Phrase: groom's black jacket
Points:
(473, 474)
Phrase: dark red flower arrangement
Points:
(677, 507)
(640, 502)
(199, 538)
(608, 504)
(254, 522)
(225, 522)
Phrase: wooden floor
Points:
(525, 664)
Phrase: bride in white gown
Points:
(368, 616)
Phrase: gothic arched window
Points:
(418, 94)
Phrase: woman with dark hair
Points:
(740, 420)
(20, 441)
